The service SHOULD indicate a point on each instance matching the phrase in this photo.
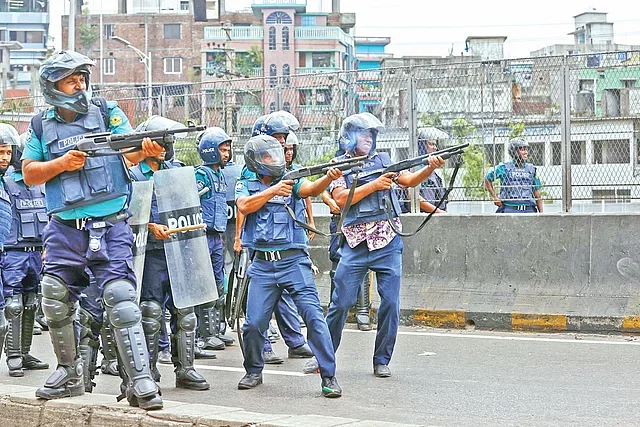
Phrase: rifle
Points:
(343, 165)
(108, 144)
(445, 153)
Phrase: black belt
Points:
(79, 223)
(26, 249)
(212, 232)
(520, 207)
(277, 255)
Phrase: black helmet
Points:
(514, 145)
(59, 66)
(264, 155)
(162, 123)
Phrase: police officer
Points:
(87, 199)
(432, 189)
(214, 148)
(156, 287)
(519, 182)
(8, 139)
(281, 258)
(370, 243)
(22, 262)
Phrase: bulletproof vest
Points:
(214, 209)
(101, 178)
(516, 187)
(5, 213)
(136, 173)
(29, 214)
(371, 208)
(432, 190)
(271, 226)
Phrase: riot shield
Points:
(140, 208)
(187, 252)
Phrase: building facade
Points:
(370, 51)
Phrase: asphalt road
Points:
(439, 377)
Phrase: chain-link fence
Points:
(580, 115)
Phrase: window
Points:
(214, 98)
(216, 62)
(109, 31)
(323, 96)
(305, 96)
(26, 36)
(611, 152)
(184, 4)
(556, 153)
(285, 38)
(273, 72)
(172, 31)
(493, 153)
(109, 66)
(578, 153)
(619, 195)
(536, 153)
(272, 38)
(173, 65)
(272, 107)
(279, 18)
(286, 72)
(308, 21)
(322, 59)
(628, 83)
(286, 107)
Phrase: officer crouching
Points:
(281, 258)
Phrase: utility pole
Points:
(229, 65)
(72, 25)
(101, 49)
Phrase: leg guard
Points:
(88, 348)
(151, 324)
(13, 311)
(363, 304)
(209, 329)
(28, 322)
(40, 315)
(222, 324)
(60, 313)
(109, 363)
(3, 328)
(183, 352)
(124, 315)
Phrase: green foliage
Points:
(474, 164)
(325, 158)
(461, 128)
(187, 152)
(87, 34)
(245, 62)
(428, 119)
(517, 129)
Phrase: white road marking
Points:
(266, 371)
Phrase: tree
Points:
(516, 129)
(245, 62)
(473, 178)
(87, 34)
(428, 119)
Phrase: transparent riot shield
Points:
(140, 208)
(187, 252)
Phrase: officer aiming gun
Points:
(424, 159)
(343, 165)
(108, 144)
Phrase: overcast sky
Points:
(436, 28)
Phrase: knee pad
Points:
(151, 316)
(14, 307)
(125, 314)
(118, 291)
(55, 299)
(187, 319)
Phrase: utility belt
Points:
(520, 207)
(277, 255)
(80, 223)
(24, 249)
(212, 232)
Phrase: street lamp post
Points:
(146, 60)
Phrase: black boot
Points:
(65, 381)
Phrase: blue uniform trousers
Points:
(65, 256)
(20, 272)
(354, 264)
(517, 209)
(216, 252)
(92, 302)
(288, 323)
(268, 280)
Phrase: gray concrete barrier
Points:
(564, 272)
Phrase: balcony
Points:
(237, 33)
(278, 3)
(324, 33)
(24, 17)
(373, 56)
(316, 70)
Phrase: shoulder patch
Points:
(116, 120)
(239, 185)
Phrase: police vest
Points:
(29, 214)
(214, 209)
(371, 208)
(101, 179)
(5, 213)
(136, 173)
(432, 190)
(271, 226)
(516, 187)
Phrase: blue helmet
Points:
(514, 145)
(161, 123)
(355, 123)
(208, 143)
(429, 133)
(264, 155)
(292, 141)
(257, 126)
(280, 122)
(59, 66)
